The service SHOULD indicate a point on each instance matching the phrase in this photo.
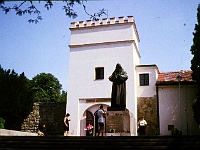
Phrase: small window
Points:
(99, 73)
(144, 79)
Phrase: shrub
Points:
(2, 121)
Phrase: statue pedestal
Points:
(116, 108)
(118, 122)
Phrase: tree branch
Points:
(95, 16)
(69, 11)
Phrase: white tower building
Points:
(95, 49)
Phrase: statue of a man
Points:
(118, 97)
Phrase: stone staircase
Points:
(97, 143)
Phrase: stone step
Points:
(114, 142)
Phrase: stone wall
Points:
(147, 107)
(49, 113)
(31, 123)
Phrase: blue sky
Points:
(165, 30)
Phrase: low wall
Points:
(49, 113)
(4, 132)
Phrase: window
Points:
(99, 73)
(144, 79)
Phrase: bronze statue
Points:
(118, 97)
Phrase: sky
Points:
(165, 29)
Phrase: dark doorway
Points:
(89, 119)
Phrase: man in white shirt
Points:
(141, 126)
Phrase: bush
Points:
(2, 121)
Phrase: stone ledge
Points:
(118, 134)
(4, 132)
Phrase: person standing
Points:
(66, 124)
(101, 114)
(141, 126)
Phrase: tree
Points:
(195, 65)
(47, 88)
(48, 4)
(63, 96)
(16, 98)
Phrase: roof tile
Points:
(171, 76)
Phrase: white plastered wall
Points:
(172, 112)
(150, 90)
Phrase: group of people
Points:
(89, 128)
(42, 128)
(100, 113)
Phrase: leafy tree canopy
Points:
(195, 65)
(47, 88)
(16, 98)
(22, 8)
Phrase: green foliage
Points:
(63, 96)
(17, 95)
(2, 122)
(47, 88)
(22, 9)
(16, 98)
(195, 65)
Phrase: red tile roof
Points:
(170, 77)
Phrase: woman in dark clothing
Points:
(66, 124)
